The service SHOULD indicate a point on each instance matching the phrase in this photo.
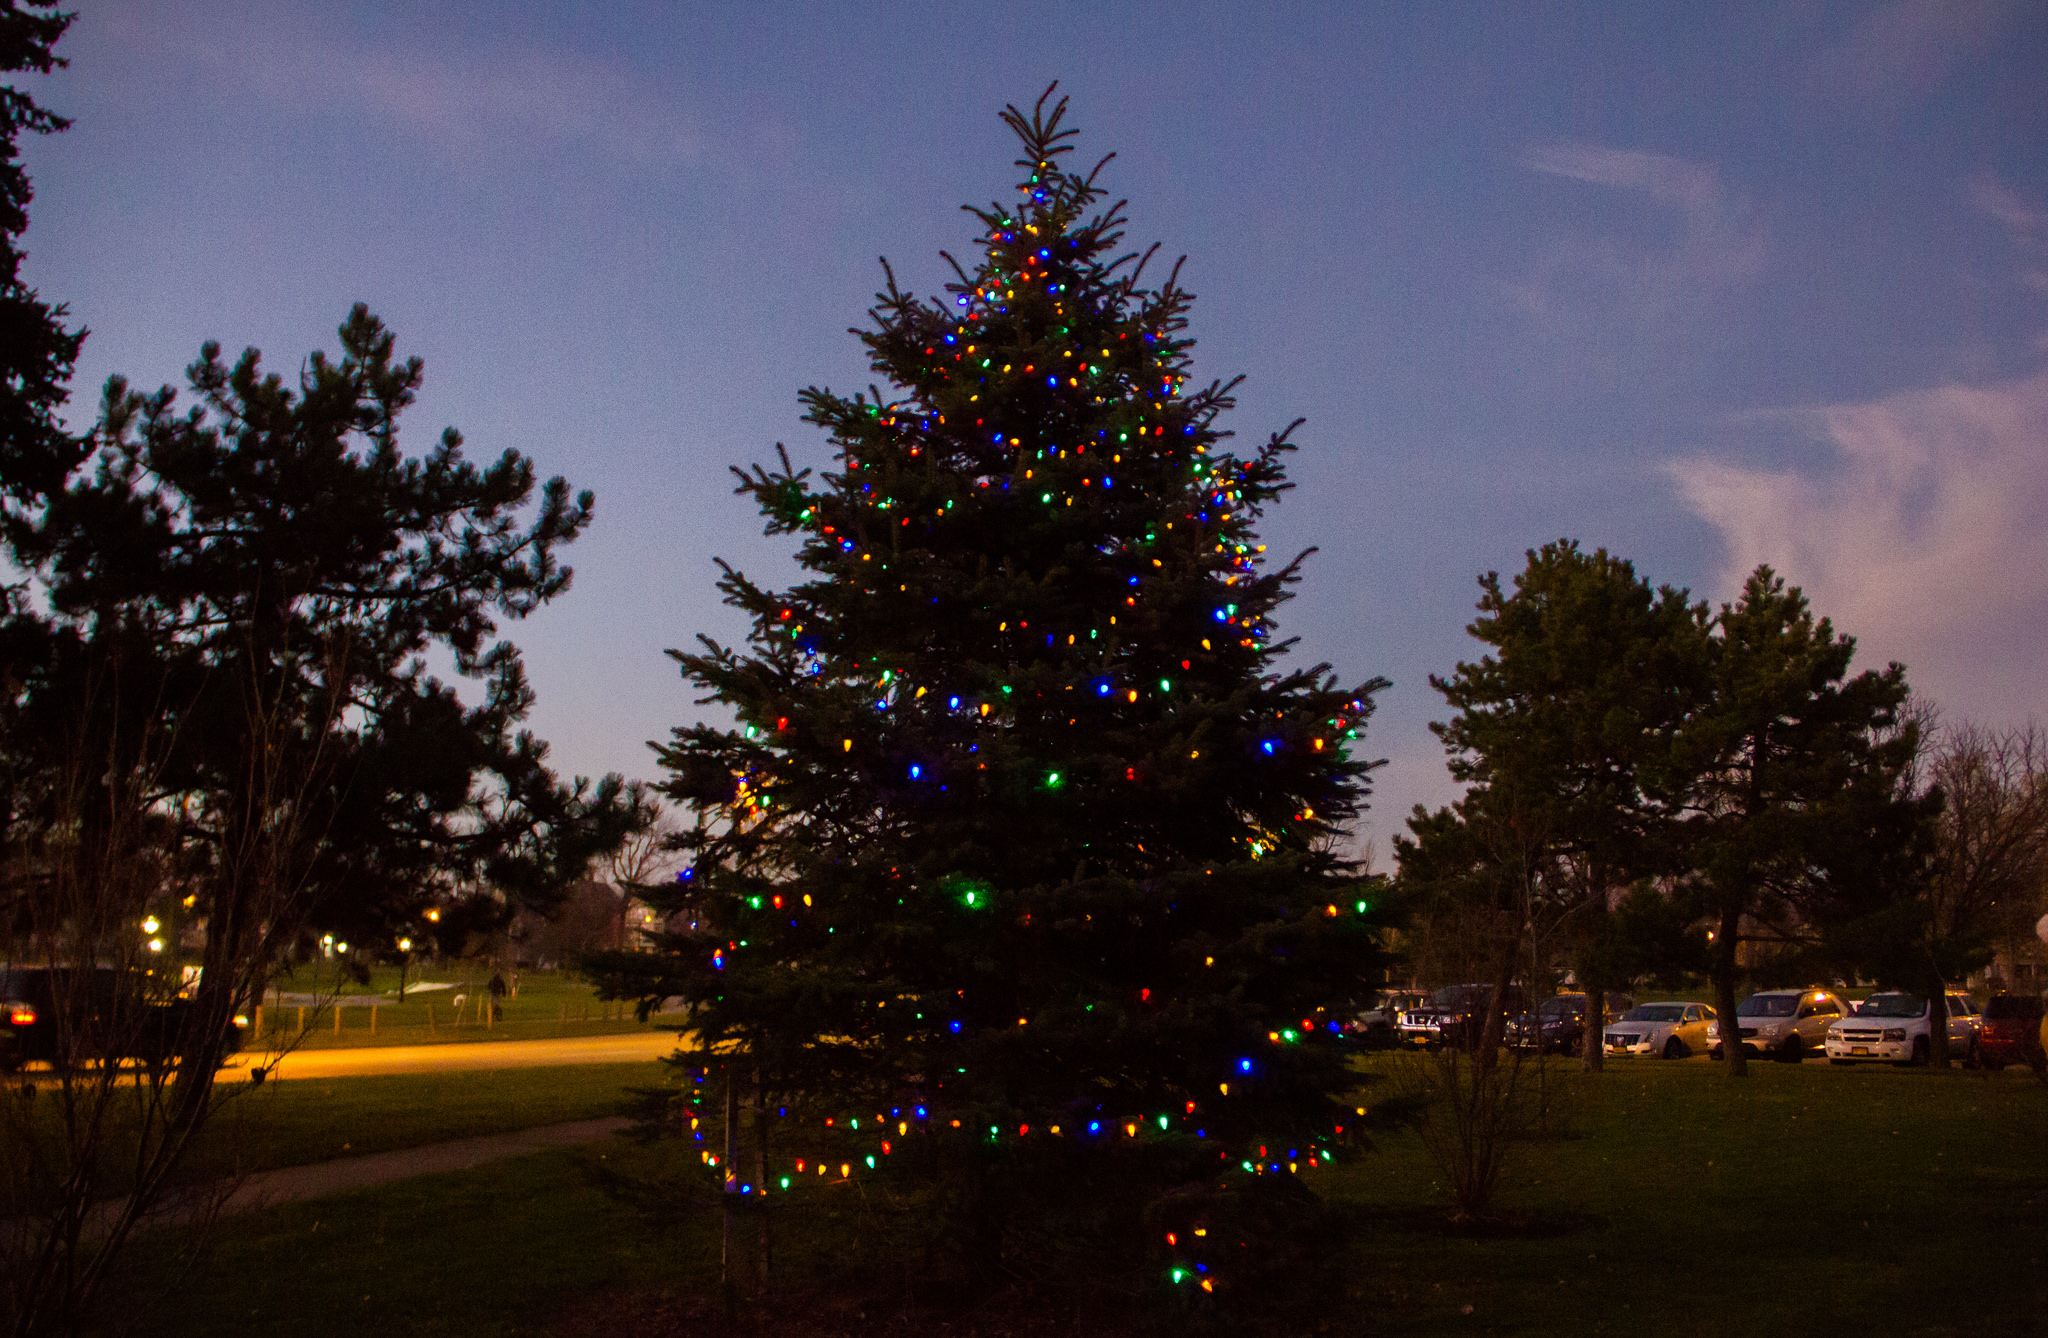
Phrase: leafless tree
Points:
(648, 855)
(1474, 1119)
(90, 1153)
(1991, 862)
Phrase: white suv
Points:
(1784, 1024)
(1895, 1026)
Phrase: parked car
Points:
(1969, 1011)
(2011, 1032)
(1559, 1023)
(1672, 1029)
(1380, 1025)
(1784, 1024)
(65, 1016)
(1895, 1027)
(1453, 1015)
(1422, 1024)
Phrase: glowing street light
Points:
(150, 924)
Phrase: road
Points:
(455, 1057)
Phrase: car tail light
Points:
(21, 1014)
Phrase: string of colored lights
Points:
(1049, 397)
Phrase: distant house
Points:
(2020, 967)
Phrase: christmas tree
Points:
(1025, 850)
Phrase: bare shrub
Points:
(1476, 1118)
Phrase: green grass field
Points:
(291, 1122)
(1864, 1201)
(549, 1004)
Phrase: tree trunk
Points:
(1937, 1021)
(1592, 1038)
(1486, 1046)
(1593, 1027)
(973, 1214)
(761, 1178)
(731, 1182)
(1725, 942)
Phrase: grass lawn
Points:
(1868, 1201)
(294, 1121)
(549, 1004)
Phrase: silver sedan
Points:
(1673, 1029)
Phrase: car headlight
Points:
(1895, 1033)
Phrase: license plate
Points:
(1860, 1050)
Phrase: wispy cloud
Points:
(1616, 301)
(1927, 540)
(2002, 204)
(1689, 185)
(2026, 230)
(1901, 52)
(556, 97)
(509, 96)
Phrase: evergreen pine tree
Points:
(1563, 734)
(36, 351)
(1026, 839)
(1804, 825)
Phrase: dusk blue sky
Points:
(1705, 285)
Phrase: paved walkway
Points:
(295, 1183)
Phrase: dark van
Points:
(67, 1016)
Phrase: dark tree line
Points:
(1657, 787)
(215, 702)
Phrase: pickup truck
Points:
(1454, 1015)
